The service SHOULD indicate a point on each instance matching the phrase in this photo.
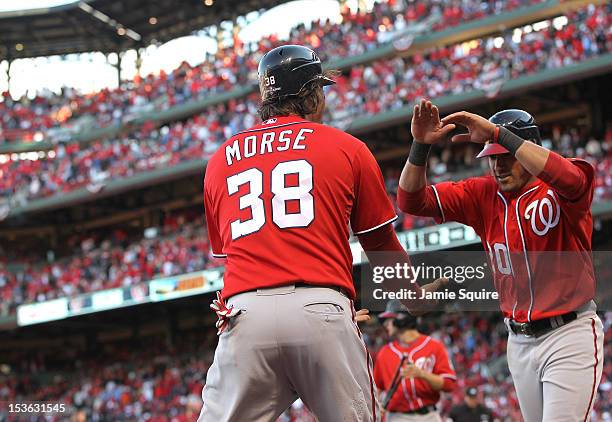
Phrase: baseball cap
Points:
(393, 310)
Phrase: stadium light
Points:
(560, 22)
(109, 21)
(538, 26)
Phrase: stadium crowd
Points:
(102, 261)
(163, 383)
(180, 245)
(158, 382)
(367, 90)
(357, 32)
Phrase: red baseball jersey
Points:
(539, 243)
(413, 393)
(279, 200)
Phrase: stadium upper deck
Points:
(374, 89)
(354, 38)
(111, 26)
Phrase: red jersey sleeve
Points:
(460, 201)
(444, 368)
(581, 204)
(214, 235)
(372, 207)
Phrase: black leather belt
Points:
(541, 326)
(420, 411)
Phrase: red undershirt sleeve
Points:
(567, 177)
(384, 239)
(422, 202)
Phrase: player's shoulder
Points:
(384, 350)
(583, 165)
(485, 182)
(434, 342)
(482, 186)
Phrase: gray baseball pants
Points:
(290, 342)
(557, 374)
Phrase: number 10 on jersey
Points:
(280, 195)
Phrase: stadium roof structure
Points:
(112, 25)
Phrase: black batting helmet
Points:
(402, 319)
(516, 121)
(285, 70)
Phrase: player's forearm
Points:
(533, 157)
(384, 250)
(553, 169)
(413, 197)
(435, 381)
(414, 174)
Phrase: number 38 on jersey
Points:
(281, 194)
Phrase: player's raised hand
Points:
(480, 130)
(426, 126)
(362, 315)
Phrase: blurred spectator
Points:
(367, 90)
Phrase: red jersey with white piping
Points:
(539, 242)
(427, 354)
(279, 200)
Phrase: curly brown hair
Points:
(306, 102)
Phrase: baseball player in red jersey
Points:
(533, 214)
(425, 369)
(279, 200)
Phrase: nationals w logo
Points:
(544, 213)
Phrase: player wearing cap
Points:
(411, 370)
(533, 215)
(279, 200)
(471, 410)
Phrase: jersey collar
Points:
(409, 346)
(282, 119)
